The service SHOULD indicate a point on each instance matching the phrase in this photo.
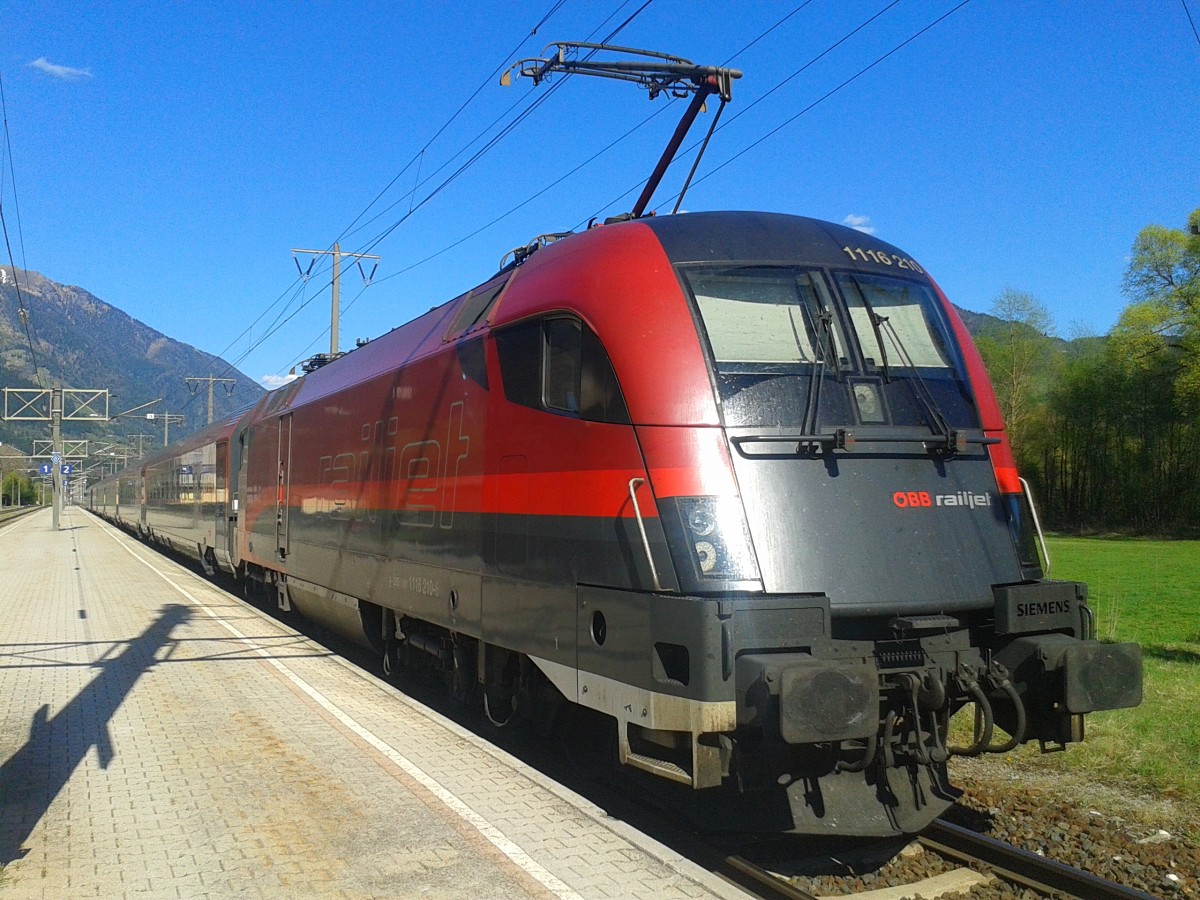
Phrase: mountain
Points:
(977, 322)
(83, 342)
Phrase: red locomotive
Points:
(737, 480)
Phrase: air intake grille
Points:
(899, 655)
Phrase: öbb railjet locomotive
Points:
(736, 480)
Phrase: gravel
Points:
(1142, 842)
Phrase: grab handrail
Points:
(634, 484)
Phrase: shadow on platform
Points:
(34, 776)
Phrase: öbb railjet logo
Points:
(923, 499)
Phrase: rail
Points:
(760, 881)
(1022, 866)
(9, 513)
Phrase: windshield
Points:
(903, 310)
(789, 350)
(762, 316)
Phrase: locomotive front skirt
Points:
(736, 480)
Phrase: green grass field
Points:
(1149, 592)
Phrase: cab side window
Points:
(558, 365)
(562, 364)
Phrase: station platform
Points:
(162, 738)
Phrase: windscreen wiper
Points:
(876, 320)
(826, 355)
(956, 440)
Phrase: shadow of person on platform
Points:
(33, 776)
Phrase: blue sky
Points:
(168, 156)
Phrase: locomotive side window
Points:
(471, 359)
(520, 350)
(599, 392)
(559, 365)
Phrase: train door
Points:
(283, 492)
(220, 497)
(142, 499)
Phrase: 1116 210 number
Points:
(858, 254)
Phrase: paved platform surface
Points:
(160, 738)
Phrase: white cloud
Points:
(63, 73)
(270, 382)
(859, 223)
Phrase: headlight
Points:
(717, 539)
(701, 521)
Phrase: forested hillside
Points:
(1107, 430)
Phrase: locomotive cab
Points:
(853, 556)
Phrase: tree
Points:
(1162, 324)
(1021, 361)
(14, 486)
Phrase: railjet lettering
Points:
(964, 498)
(920, 499)
(1045, 608)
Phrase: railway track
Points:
(8, 514)
(1022, 869)
(758, 881)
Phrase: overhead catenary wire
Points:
(806, 109)
(574, 170)
(832, 91)
(1187, 12)
(521, 117)
(294, 287)
(661, 109)
(767, 32)
(347, 231)
(776, 87)
(419, 155)
(504, 132)
(22, 311)
(12, 179)
(529, 110)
